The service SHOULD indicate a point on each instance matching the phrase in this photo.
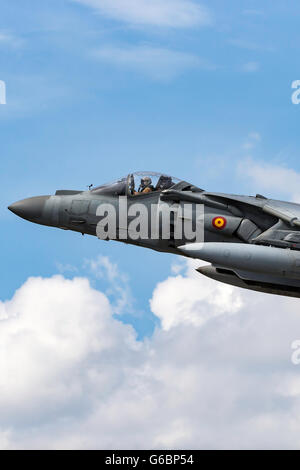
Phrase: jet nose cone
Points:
(29, 209)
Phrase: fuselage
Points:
(177, 217)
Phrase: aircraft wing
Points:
(288, 212)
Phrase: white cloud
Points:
(4, 440)
(43, 336)
(119, 290)
(243, 44)
(253, 12)
(8, 39)
(250, 45)
(255, 136)
(162, 13)
(71, 376)
(157, 63)
(250, 67)
(28, 95)
(202, 300)
(64, 268)
(253, 139)
(271, 177)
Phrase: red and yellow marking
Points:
(219, 222)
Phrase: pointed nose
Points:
(30, 209)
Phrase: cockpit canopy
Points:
(142, 182)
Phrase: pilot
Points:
(145, 186)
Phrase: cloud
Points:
(119, 290)
(154, 62)
(64, 268)
(250, 45)
(271, 177)
(253, 12)
(72, 376)
(250, 67)
(162, 13)
(253, 139)
(49, 330)
(29, 95)
(202, 301)
(4, 440)
(8, 39)
(244, 44)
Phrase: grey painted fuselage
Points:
(251, 242)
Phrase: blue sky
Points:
(97, 89)
(93, 94)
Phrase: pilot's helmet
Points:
(147, 181)
(165, 182)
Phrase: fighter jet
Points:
(251, 242)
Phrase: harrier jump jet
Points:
(250, 241)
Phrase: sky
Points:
(104, 345)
